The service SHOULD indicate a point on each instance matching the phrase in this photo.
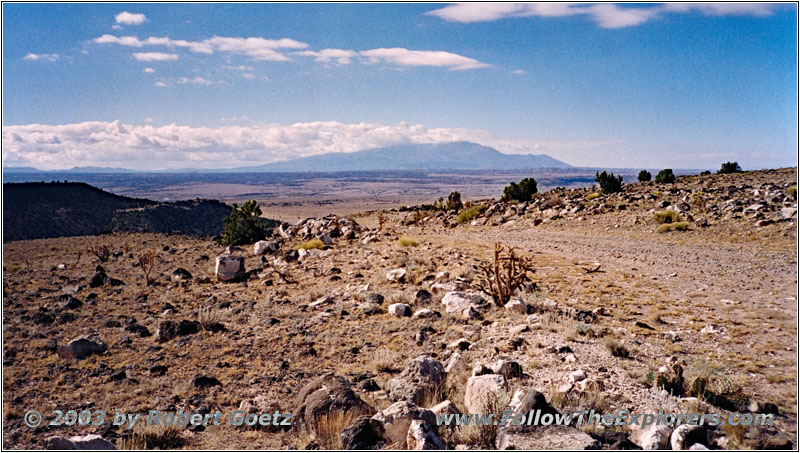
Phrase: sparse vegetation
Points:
(406, 241)
(666, 216)
(705, 173)
(665, 176)
(675, 226)
(792, 191)
(453, 202)
(146, 260)
(470, 214)
(310, 244)
(609, 183)
(102, 252)
(645, 176)
(592, 196)
(506, 274)
(617, 349)
(520, 192)
(243, 225)
(729, 167)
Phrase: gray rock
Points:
(684, 436)
(422, 437)
(263, 247)
(325, 395)
(364, 434)
(516, 306)
(422, 376)
(458, 301)
(82, 347)
(400, 310)
(426, 313)
(654, 437)
(552, 437)
(396, 275)
(396, 420)
(483, 390)
(229, 268)
(88, 442)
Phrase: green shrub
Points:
(792, 191)
(243, 225)
(308, 245)
(520, 192)
(453, 202)
(645, 176)
(665, 176)
(592, 196)
(470, 214)
(408, 242)
(729, 167)
(705, 173)
(608, 183)
(677, 226)
(666, 216)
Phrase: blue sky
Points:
(195, 85)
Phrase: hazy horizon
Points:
(156, 87)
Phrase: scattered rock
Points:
(422, 297)
(325, 395)
(654, 437)
(364, 434)
(201, 381)
(422, 437)
(263, 247)
(229, 268)
(426, 313)
(82, 347)
(684, 436)
(396, 420)
(180, 274)
(396, 275)
(400, 310)
(516, 306)
(552, 437)
(422, 376)
(480, 391)
(458, 302)
(88, 442)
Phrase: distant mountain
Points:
(71, 170)
(21, 170)
(436, 156)
(41, 210)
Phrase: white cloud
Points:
(41, 57)
(404, 57)
(116, 27)
(195, 81)
(175, 146)
(159, 84)
(155, 56)
(341, 56)
(149, 70)
(130, 18)
(606, 15)
(518, 72)
(257, 48)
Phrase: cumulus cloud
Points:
(130, 18)
(41, 57)
(404, 57)
(173, 146)
(159, 84)
(263, 49)
(149, 70)
(606, 15)
(155, 56)
(341, 56)
(257, 48)
(518, 72)
(149, 147)
(195, 81)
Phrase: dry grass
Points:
(406, 241)
(310, 244)
(666, 216)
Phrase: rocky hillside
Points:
(41, 210)
(366, 328)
